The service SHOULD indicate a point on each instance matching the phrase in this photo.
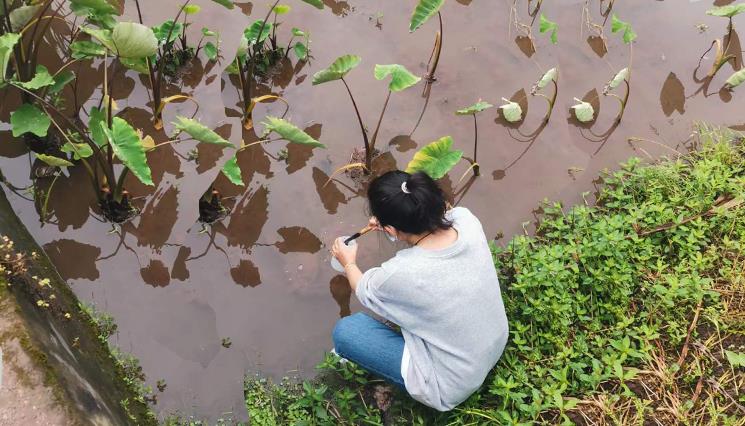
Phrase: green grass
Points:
(620, 312)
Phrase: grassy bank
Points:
(626, 310)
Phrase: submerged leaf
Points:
(424, 10)
(289, 132)
(42, 78)
(549, 26)
(30, 119)
(475, 108)
(735, 79)
(129, 149)
(401, 78)
(511, 111)
(133, 40)
(54, 161)
(232, 171)
(727, 11)
(7, 43)
(583, 111)
(200, 132)
(338, 69)
(435, 159)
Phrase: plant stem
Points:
(46, 199)
(120, 185)
(476, 171)
(369, 153)
(359, 117)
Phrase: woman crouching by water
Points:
(442, 291)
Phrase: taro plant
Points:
(526, 29)
(472, 111)
(584, 111)
(176, 51)
(513, 113)
(401, 79)
(722, 46)
(593, 27)
(437, 159)
(259, 50)
(423, 11)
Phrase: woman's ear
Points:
(391, 231)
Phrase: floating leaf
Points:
(424, 10)
(54, 161)
(30, 119)
(42, 78)
(549, 26)
(735, 79)
(61, 80)
(163, 30)
(727, 11)
(583, 111)
(78, 150)
(618, 25)
(435, 159)
(401, 78)
(337, 70)
(301, 51)
(318, 4)
(619, 78)
(473, 109)
(133, 40)
(252, 33)
(511, 111)
(200, 132)
(22, 15)
(128, 148)
(290, 132)
(232, 171)
(7, 43)
(86, 49)
(548, 77)
(227, 3)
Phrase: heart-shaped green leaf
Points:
(735, 79)
(7, 43)
(54, 161)
(232, 171)
(511, 111)
(78, 150)
(200, 132)
(85, 49)
(93, 8)
(338, 69)
(727, 11)
(133, 40)
(252, 33)
(42, 78)
(318, 4)
(163, 30)
(301, 51)
(227, 3)
(475, 108)
(584, 111)
(128, 148)
(61, 80)
(30, 119)
(424, 10)
(435, 159)
(211, 51)
(401, 78)
(289, 132)
(96, 122)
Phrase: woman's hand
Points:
(343, 253)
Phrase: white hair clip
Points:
(404, 188)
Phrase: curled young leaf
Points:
(192, 9)
(435, 159)
(54, 161)
(735, 79)
(401, 78)
(548, 77)
(475, 108)
(619, 78)
(511, 111)
(584, 111)
(424, 10)
(7, 43)
(337, 70)
(282, 9)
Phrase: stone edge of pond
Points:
(83, 367)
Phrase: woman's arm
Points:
(354, 274)
(347, 256)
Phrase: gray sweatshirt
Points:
(450, 310)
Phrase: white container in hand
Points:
(335, 263)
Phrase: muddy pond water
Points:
(261, 277)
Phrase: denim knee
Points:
(345, 329)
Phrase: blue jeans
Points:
(372, 345)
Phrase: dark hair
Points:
(420, 210)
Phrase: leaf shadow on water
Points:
(247, 219)
(156, 274)
(597, 45)
(734, 49)
(209, 154)
(342, 294)
(403, 143)
(179, 271)
(246, 274)
(157, 219)
(526, 45)
(524, 138)
(246, 7)
(298, 155)
(297, 239)
(427, 94)
(85, 255)
(672, 95)
(330, 194)
(338, 8)
(70, 206)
